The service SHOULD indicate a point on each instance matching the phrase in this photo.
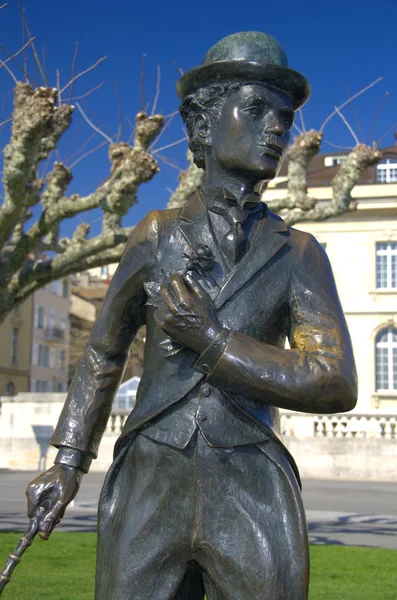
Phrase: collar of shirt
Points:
(216, 196)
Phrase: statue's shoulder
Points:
(153, 224)
(306, 247)
(303, 238)
(168, 215)
(303, 246)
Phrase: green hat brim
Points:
(289, 81)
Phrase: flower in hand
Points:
(187, 314)
(200, 259)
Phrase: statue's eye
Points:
(287, 124)
(254, 111)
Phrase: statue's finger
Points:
(34, 503)
(195, 287)
(160, 317)
(180, 290)
(169, 300)
(50, 519)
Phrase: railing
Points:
(339, 426)
(302, 425)
(55, 333)
(116, 422)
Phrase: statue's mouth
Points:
(271, 150)
(272, 146)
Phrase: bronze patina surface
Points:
(203, 497)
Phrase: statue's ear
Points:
(202, 129)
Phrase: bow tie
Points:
(221, 195)
(248, 201)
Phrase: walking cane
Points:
(23, 544)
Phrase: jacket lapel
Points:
(196, 229)
(271, 236)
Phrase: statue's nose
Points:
(275, 127)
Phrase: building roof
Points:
(320, 174)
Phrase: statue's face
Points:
(253, 131)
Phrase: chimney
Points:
(395, 137)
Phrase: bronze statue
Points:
(203, 497)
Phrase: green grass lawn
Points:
(63, 569)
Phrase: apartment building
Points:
(51, 338)
(16, 350)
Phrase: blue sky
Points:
(333, 44)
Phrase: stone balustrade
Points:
(302, 425)
(116, 422)
(354, 446)
(350, 425)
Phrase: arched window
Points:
(386, 360)
(386, 171)
(126, 395)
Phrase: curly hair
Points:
(209, 100)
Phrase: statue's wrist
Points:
(212, 332)
(73, 457)
(212, 353)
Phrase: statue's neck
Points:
(238, 185)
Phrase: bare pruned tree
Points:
(33, 253)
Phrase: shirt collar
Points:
(213, 194)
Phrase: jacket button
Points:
(206, 390)
(202, 418)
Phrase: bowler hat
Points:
(249, 56)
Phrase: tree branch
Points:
(37, 273)
(130, 167)
(37, 127)
(300, 153)
(297, 206)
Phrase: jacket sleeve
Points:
(317, 375)
(96, 380)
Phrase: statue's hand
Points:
(187, 313)
(50, 493)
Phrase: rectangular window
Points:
(44, 356)
(52, 358)
(35, 357)
(64, 323)
(62, 359)
(51, 321)
(40, 317)
(386, 265)
(14, 346)
(41, 386)
(55, 287)
(386, 171)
